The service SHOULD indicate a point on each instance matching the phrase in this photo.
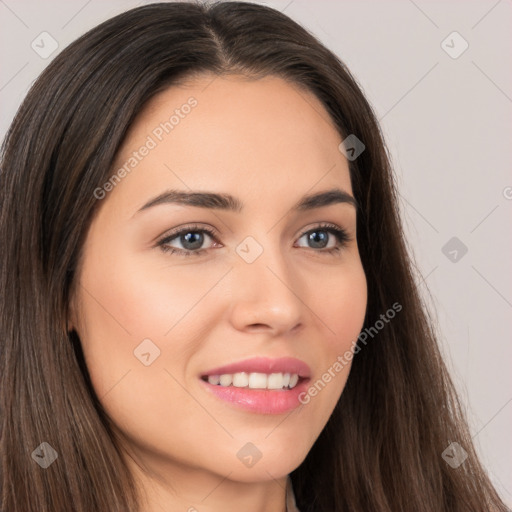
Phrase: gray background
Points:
(447, 122)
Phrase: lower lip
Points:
(262, 401)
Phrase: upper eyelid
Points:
(174, 233)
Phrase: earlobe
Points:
(70, 317)
(69, 325)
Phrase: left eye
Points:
(192, 239)
(320, 238)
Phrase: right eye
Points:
(191, 238)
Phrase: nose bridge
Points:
(260, 257)
(265, 287)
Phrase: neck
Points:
(171, 487)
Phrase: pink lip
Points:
(262, 401)
(264, 365)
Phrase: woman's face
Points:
(269, 283)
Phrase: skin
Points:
(268, 143)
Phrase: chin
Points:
(264, 461)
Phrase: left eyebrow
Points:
(228, 202)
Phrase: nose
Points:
(266, 294)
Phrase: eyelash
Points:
(340, 234)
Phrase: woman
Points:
(207, 300)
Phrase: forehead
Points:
(231, 134)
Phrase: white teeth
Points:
(255, 380)
(214, 379)
(275, 381)
(226, 379)
(240, 380)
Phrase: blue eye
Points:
(192, 239)
(320, 238)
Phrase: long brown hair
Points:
(381, 450)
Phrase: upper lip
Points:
(263, 365)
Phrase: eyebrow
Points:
(217, 201)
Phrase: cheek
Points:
(139, 329)
(343, 306)
(129, 309)
(138, 297)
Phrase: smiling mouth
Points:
(255, 380)
(260, 385)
